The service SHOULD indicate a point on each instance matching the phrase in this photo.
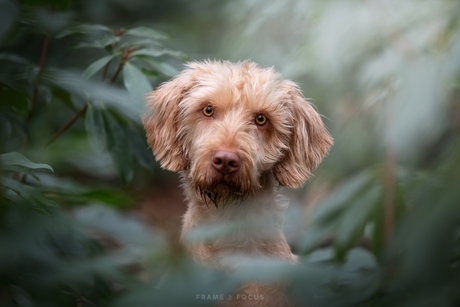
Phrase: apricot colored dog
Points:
(235, 132)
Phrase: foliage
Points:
(73, 155)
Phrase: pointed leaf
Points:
(139, 42)
(96, 66)
(94, 124)
(355, 218)
(147, 32)
(162, 67)
(136, 83)
(153, 52)
(82, 29)
(15, 158)
(140, 148)
(119, 149)
(99, 44)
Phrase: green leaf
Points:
(153, 52)
(150, 73)
(10, 123)
(138, 42)
(147, 32)
(111, 96)
(30, 193)
(62, 95)
(162, 67)
(335, 204)
(119, 149)
(8, 14)
(82, 29)
(19, 169)
(140, 148)
(99, 44)
(96, 66)
(356, 216)
(94, 124)
(13, 58)
(15, 158)
(136, 83)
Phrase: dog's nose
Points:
(226, 162)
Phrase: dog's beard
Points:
(223, 194)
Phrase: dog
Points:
(235, 132)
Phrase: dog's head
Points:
(228, 125)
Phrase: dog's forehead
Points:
(242, 85)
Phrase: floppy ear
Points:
(162, 122)
(309, 144)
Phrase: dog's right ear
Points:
(162, 121)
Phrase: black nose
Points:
(226, 162)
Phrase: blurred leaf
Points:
(94, 124)
(136, 83)
(336, 203)
(62, 95)
(10, 124)
(162, 67)
(40, 202)
(8, 14)
(109, 96)
(96, 66)
(136, 238)
(355, 218)
(147, 32)
(321, 282)
(85, 29)
(140, 148)
(12, 98)
(57, 4)
(13, 58)
(100, 43)
(150, 73)
(151, 52)
(139, 42)
(119, 149)
(15, 158)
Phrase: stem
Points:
(104, 72)
(83, 109)
(389, 193)
(390, 179)
(41, 66)
(37, 78)
(68, 124)
(122, 63)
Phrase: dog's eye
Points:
(261, 120)
(208, 111)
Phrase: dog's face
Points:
(228, 125)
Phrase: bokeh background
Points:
(87, 218)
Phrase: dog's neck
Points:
(251, 226)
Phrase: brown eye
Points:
(208, 111)
(261, 120)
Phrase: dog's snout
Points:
(226, 162)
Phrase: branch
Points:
(104, 72)
(68, 124)
(122, 63)
(41, 66)
(390, 180)
(389, 193)
(83, 109)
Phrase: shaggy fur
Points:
(283, 151)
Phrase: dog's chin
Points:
(223, 190)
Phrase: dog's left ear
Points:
(161, 122)
(309, 144)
